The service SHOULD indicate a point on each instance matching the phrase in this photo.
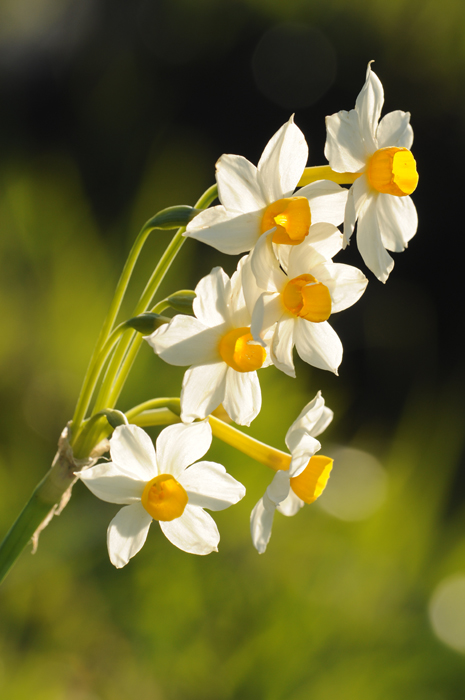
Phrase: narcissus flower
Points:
(305, 479)
(220, 349)
(379, 199)
(294, 308)
(257, 199)
(160, 485)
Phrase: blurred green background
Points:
(109, 112)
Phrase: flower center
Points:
(393, 171)
(237, 351)
(307, 298)
(164, 498)
(312, 481)
(292, 219)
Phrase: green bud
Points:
(114, 417)
(146, 323)
(172, 217)
(182, 301)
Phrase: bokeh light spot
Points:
(447, 612)
(357, 486)
(294, 65)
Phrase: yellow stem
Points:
(324, 172)
(269, 456)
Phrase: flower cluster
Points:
(282, 293)
(281, 296)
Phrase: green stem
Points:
(20, 533)
(125, 354)
(170, 403)
(166, 219)
(158, 416)
(46, 496)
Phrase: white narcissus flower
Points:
(379, 199)
(306, 478)
(293, 308)
(160, 485)
(218, 346)
(257, 199)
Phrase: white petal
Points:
(238, 186)
(283, 161)
(358, 195)
(229, 232)
(107, 481)
(261, 518)
(398, 221)
(344, 148)
(212, 297)
(369, 104)
(320, 426)
(314, 418)
(370, 243)
(291, 505)
(300, 438)
(185, 341)
(203, 390)
(209, 486)
(133, 452)
(261, 522)
(282, 253)
(194, 532)
(180, 445)
(318, 344)
(127, 533)
(268, 310)
(282, 345)
(304, 257)
(327, 201)
(394, 130)
(279, 487)
(243, 398)
(238, 311)
(303, 447)
(250, 288)
(265, 266)
(345, 283)
(326, 239)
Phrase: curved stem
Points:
(94, 367)
(154, 412)
(324, 172)
(171, 403)
(260, 451)
(164, 219)
(125, 354)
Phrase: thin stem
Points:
(94, 367)
(32, 515)
(156, 409)
(173, 404)
(173, 217)
(47, 498)
(269, 456)
(324, 172)
(157, 416)
(125, 354)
